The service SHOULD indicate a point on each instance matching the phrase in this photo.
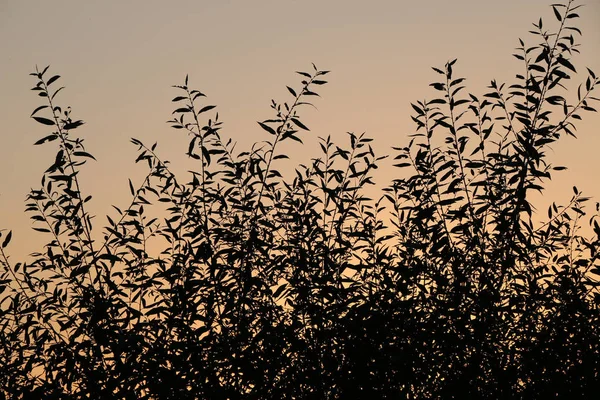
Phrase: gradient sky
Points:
(118, 60)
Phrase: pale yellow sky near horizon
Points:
(118, 60)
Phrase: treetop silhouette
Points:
(303, 287)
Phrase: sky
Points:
(119, 59)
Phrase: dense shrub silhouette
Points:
(305, 288)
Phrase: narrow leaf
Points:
(45, 139)
(53, 79)
(84, 154)
(267, 128)
(566, 63)
(299, 124)
(7, 240)
(557, 14)
(38, 109)
(44, 121)
(204, 109)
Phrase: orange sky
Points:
(118, 60)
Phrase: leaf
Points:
(58, 161)
(38, 109)
(557, 14)
(206, 155)
(204, 109)
(55, 93)
(417, 109)
(554, 100)
(267, 128)
(279, 290)
(182, 110)
(52, 80)
(45, 139)
(563, 61)
(44, 121)
(292, 91)
(198, 94)
(179, 98)
(7, 240)
(436, 101)
(79, 271)
(131, 188)
(73, 125)
(300, 124)
(291, 136)
(84, 154)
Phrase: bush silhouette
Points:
(267, 287)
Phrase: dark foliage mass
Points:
(269, 288)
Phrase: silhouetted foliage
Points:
(269, 288)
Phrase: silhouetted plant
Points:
(305, 288)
